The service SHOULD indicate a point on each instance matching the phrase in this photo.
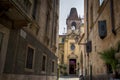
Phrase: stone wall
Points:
(26, 77)
(16, 56)
(101, 12)
(3, 46)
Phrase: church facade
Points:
(69, 50)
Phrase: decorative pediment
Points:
(72, 56)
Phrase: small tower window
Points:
(73, 26)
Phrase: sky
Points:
(65, 6)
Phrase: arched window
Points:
(73, 26)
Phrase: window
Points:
(44, 63)
(46, 38)
(1, 38)
(109, 68)
(63, 40)
(101, 2)
(89, 46)
(91, 17)
(73, 26)
(30, 58)
(47, 22)
(72, 47)
(34, 10)
(102, 29)
(62, 58)
(53, 66)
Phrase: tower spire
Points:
(73, 14)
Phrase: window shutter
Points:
(102, 29)
(89, 46)
(29, 64)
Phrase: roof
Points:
(73, 14)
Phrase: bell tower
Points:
(71, 50)
(73, 22)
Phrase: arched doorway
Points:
(72, 66)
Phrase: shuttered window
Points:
(53, 66)
(102, 29)
(34, 10)
(44, 59)
(30, 56)
(1, 38)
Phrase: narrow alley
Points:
(59, 39)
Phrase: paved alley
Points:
(68, 78)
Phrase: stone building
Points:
(69, 54)
(28, 32)
(102, 29)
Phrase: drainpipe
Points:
(87, 24)
(87, 34)
(89, 65)
(87, 21)
(112, 17)
(53, 24)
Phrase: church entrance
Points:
(72, 66)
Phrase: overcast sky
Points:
(65, 6)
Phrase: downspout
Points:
(87, 22)
(16, 48)
(112, 17)
(87, 35)
(89, 65)
(53, 21)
